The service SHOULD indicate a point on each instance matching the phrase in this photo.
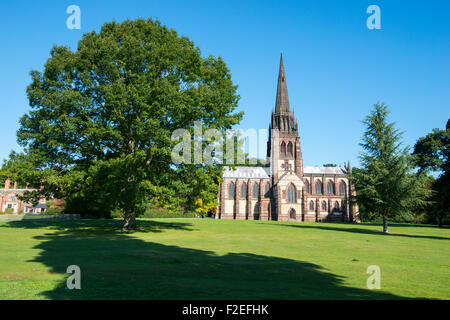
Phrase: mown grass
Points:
(220, 259)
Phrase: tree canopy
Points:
(385, 183)
(432, 153)
(102, 118)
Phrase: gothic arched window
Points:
(231, 190)
(243, 191)
(283, 149)
(289, 149)
(324, 205)
(318, 187)
(342, 189)
(330, 188)
(306, 186)
(256, 212)
(255, 191)
(311, 205)
(291, 194)
(336, 206)
(267, 191)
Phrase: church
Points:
(284, 189)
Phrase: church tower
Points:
(284, 153)
(284, 189)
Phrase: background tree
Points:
(102, 117)
(432, 153)
(385, 184)
(20, 167)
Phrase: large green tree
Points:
(102, 118)
(385, 183)
(432, 153)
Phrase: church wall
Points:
(284, 206)
(245, 208)
(242, 209)
(229, 209)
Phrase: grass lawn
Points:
(220, 259)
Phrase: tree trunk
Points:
(129, 222)
(385, 225)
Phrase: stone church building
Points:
(284, 189)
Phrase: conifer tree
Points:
(386, 185)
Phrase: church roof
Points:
(324, 170)
(263, 172)
(246, 172)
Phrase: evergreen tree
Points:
(385, 184)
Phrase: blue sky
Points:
(336, 67)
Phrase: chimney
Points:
(15, 185)
(7, 183)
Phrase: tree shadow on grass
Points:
(96, 225)
(360, 230)
(117, 265)
(412, 225)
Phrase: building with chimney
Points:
(10, 200)
(284, 189)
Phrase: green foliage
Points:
(9, 210)
(102, 119)
(19, 167)
(23, 169)
(432, 153)
(385, 184)
(329, 165)
(155, 212)
(54, 211)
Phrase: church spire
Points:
(282, 102)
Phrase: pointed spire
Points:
(282, 102)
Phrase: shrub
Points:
(117, 213)
(54, 211)
(155, 212)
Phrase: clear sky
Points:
(336, 68)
